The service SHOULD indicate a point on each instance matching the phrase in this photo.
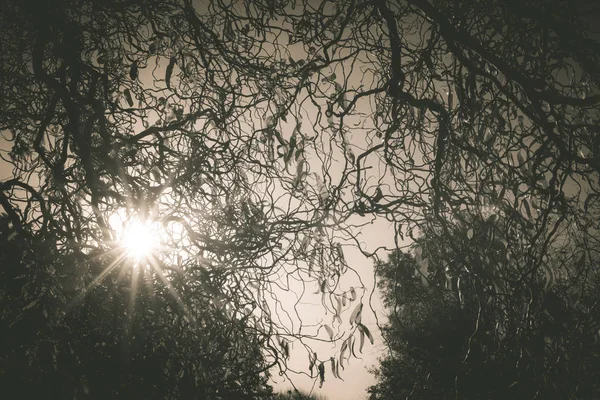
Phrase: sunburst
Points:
(140, 240)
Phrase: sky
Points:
(356, 378)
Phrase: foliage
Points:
(297, 395)
(109, 345)
(261, 136)
(465, 322)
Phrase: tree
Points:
(149, 113)
(108, 345)
(297, 395)
(465, 322)
(260, 136)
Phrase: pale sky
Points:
(356, 377)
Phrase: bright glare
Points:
(139, 239)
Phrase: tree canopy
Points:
(465, 322)
(257, 138)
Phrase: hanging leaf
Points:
(285, 348)
(133, 71)
(321, 374)
(355, 317)
(362, 339)
(31, 304)
(312, 360)
(329, 331)
(352, 293)
(128, 97)
(342, 351)
(300, 169)
(333, 368)
(169, 72)
(549, 276)
(527, 208)
(351, 343)
(367, 332)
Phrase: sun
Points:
(140, 239)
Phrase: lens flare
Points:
(140, 240)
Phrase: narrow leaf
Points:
(133, 71)
(128, 97)
(339, 305)
(333, 369)
(329, 331)
(362, 339)
(172, 62)
(527, 208)
(321, 374)
(342, 351)
(351, 345)
(367, 332)
(356, 314)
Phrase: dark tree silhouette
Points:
(465, 322)
(258, 137)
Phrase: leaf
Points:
(329, 331)
(527, 208)
(339, 305)
(470, 233)
(321, 374)
(172, 62)
(362, 339)
(128, 97)
(333, 368)
(31, 304)
(300, 170)
(549, 276)
(351, 346)
(312, 360)
(367, 332)
(342, 351)
(352, 293)
(355, 317)
(285, 348)
(133, 71)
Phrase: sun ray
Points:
(170, 288)
(135, 276)
(96, 280)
